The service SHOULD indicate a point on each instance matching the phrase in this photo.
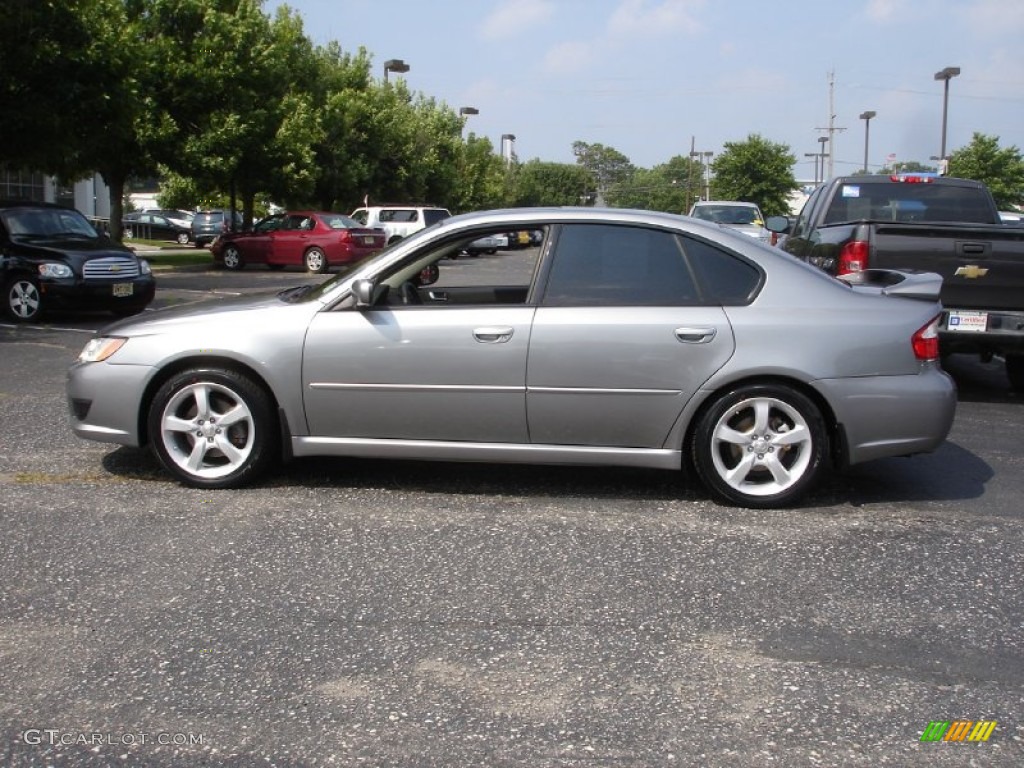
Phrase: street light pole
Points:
(707, 173)
(394, 65)
(866, 117)
(466, 111)
(946, 75)
(815, 156)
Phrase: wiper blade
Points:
(295, 293)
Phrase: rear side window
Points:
(611, 265)
(724, 278)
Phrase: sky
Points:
(653, 78)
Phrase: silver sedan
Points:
(628, 338)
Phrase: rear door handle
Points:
(695, 335)
(493, 334)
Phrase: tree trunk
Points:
(115, 183)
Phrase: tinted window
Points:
(724, 278)
(434, 215)
(605, 264)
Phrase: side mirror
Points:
(429, 275)
(777, 224)
(363, 291)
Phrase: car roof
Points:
(33, 204)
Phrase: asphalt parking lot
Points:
(414, 614)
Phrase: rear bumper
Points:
(882, 416)
(998, 332)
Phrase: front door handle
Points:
(695, 335)
(493, 334)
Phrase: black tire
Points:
(394, 239)
(234, 453)
(1015, 371)
(315, 261)
(23, 301)
(760, 446)
(183, 238)
(232, 257)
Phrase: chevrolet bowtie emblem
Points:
(971, 270)
(115, 268)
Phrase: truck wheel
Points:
(22, 301)
(1015, 371)
(213, 428)
(760, 446)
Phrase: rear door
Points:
(624, 336)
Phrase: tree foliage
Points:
(755, 171)
(607, 167)
(1002, 170)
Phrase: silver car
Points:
(626, 338)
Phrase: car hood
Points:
(68, 248)
(242, 312)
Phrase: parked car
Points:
(400, 221)
(316, 240)
(52, 258)
(179, 217)
(653, 340)
(155, 226)
(207, 226)
(744, 217)
(490, 245)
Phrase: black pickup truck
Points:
(927, 224)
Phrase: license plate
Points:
(967, 322)
(369, 239)
(124, 289)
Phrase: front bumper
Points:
(77, 293)
(104, 401)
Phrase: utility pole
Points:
(831, 129)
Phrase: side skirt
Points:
(429, 450)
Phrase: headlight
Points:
(144, 267)
(55, 270)
(100, 349)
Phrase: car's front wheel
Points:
(760, 445)
(23, 302)
(213, 428)
(316, 261)
(232, 257)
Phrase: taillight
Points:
(853, 257)
(344, 235)
(926, 341)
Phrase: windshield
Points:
(727, 214)
(47, 222)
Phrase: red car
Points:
(315, 239)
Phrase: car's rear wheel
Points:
(760, 445)
(23, 302)
(183, 238)
(1015, 371)
(232, 257)
(213, 428)
(315, 260)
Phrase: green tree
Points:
(607, 166)
(537, 182)
(1001, 170)
(481, 177)
(755, 171)
(668, 187)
